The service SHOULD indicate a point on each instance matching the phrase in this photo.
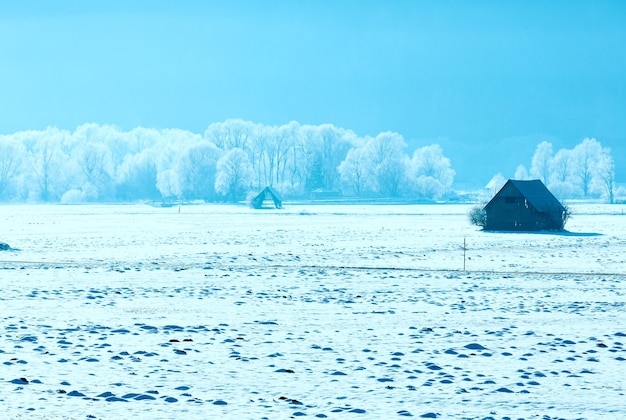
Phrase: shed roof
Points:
(536, 193)
(267, 193)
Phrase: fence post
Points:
(464, 252)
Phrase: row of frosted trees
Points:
(583, 172)
(232, 158)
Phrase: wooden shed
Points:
(267, 195)
(524, 206)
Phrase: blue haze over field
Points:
(487, 80)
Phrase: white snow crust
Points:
(318, 311)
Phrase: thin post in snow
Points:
(464, 253)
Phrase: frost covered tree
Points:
(137, 177)
(562, 166)
(541, 165)
(586, 155)
(196, 170)
(389, 163)
(140, 138)
(48, 164)
(562, 183)
(495, 184)
(231, 134)
(42, 159)
(234, 174)
(392, 175)
(107, 136)
(281, 143)
(265, 153)
(273, 152)
(12, 156)
(587, 170)
(96, 166)
(355, 171)
(101, 162)
(168, 184)
(521, 172)
(328, 147)
(298, 164)
(604, 176)
(431, 171)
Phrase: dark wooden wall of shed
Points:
(512, 213)
(520, 216)
(510, 210)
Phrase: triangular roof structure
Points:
(268, 193)
(536, 193)
(524, 206)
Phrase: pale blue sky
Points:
(463, 72)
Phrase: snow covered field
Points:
(316, 311)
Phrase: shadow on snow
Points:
(547, 232)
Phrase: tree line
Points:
(583, 172)
(101, 163)
(234, 158)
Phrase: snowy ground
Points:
(312, 311)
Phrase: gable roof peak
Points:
(536, 193)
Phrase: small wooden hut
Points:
(268, 195)
(524, 206)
